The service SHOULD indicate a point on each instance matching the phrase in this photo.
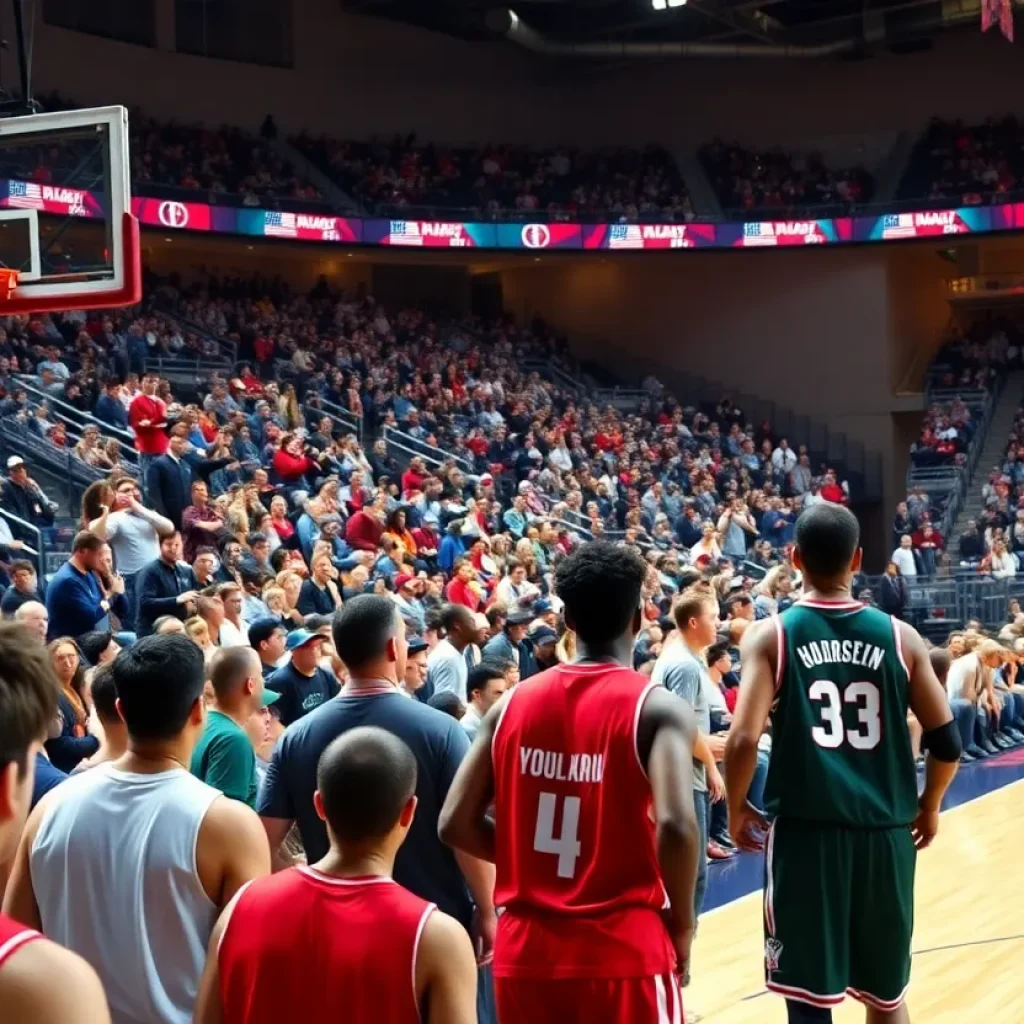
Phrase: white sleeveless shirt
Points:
(114, 872)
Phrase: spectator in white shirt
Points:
(783, 458)
(903, 557)
(233, 630)
(1003, 564)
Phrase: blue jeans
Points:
(486, 1010)
(128, 621)
(964, 715)
(755, 795)
(145, 461)
(701, 805)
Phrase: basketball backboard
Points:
(66, 224)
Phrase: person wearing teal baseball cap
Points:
(224, 757)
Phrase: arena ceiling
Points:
(722, 28)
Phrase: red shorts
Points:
(655, 1000)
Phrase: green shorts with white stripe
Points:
(838, 913)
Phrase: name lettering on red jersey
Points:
(548, 764)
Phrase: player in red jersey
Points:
(40, 983)
(341, 940)
(588, 766)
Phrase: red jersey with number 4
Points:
(304, 946)
(577, 870)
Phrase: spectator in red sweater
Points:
(464, 589)
(832, 491)
(414, 477)
(291, 463)
(147, 416)
(363, 530)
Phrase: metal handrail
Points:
(24, 524)
(431, 454)
(343, 425)
(348, 420)
(69, 412)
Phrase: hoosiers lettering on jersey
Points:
(840, 652)
(550, 764)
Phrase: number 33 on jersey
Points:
(841, 750)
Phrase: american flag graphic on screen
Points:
(279, 225)
(625, 236)
(405, 232)
(24, 195)
(898, 225)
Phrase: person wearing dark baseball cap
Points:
(302, 683)
(545, 641)
(267, 639)
(511, 643)
(415, 666)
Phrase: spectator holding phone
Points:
(75, 600)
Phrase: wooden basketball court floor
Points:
(968, 965)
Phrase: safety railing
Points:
(71, 415)
(404, 447)
(26, 532)
(623, 399)
(345, 420)
(75, 474)
(348, 425)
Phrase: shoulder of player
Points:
(661, 707)
(444, 945)
(762, 636)
(228, 822)
(27, 985)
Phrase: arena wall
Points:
(359, 76)
(830, 335)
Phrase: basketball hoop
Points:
(8, 282)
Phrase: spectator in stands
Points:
(511, 645)
(484, 688)
(114, 739)
(35, 618)
(23, 497)
(972, 545)
(447, 669)
(319, 594)
(76, 600)
(302, 684)
(901, 523)
(1001, 563)
(74, 742)
(147, 417)
(928, 545)
(224, 756)
(267, 639)
(24, 587)
(133, 533)
(101, 832)
(165, 586)
(109, 408)
(892, 597)
(233, 631)
(903, 557)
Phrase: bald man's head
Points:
(35, 616)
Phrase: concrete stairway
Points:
(993, 451)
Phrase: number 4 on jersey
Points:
(566, 847)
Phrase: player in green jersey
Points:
(836, 679)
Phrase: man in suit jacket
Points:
(892, 597)
(165, 586)
(171, 475)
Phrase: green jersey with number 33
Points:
(841, 749)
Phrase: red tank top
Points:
(13, 935)
(301, 945)
(577, 871)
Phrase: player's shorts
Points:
(838, 913)
(655, 1000)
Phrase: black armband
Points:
(944, 743)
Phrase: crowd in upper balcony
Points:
(751, 179)
(966, 165)
(497, 180)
